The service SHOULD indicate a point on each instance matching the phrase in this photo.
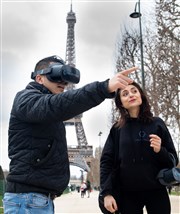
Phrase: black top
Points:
(137, 163)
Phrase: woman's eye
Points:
(125, 94)
(134, 91)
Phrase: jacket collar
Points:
(39, 87)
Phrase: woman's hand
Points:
(110, 203)
(155, 141)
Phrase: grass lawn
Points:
(1, 209)
(175, 193)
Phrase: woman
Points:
(137, 147)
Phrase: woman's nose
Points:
(131, 94)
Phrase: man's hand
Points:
(120, 80)
(110, 203)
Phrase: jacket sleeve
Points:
(167, 146)
(38, 107)
(107, 163)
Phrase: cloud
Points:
(101, 21)
(19, 29)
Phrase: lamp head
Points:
(135, 15)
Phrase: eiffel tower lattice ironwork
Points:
(80, 155)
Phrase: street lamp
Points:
(137, 14)
(100, 133)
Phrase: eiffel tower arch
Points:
(81, 154)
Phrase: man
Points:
(39, 167)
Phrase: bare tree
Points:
(94, 175)
(127, 50)
(168, 49)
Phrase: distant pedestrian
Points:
(78, 188)
(169, 189)
(83, 189)
(88, 188)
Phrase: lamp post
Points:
(100, 150)
(100, 133)
(137, 14)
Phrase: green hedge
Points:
(2, 187)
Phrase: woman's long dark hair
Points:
(145, 114)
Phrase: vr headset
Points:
(58, 72)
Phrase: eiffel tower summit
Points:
(81, 154)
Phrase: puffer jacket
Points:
(37, 142)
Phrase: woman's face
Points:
(131, 99)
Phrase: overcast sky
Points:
(31, 30)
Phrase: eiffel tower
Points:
(80, 155)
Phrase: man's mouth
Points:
(61, 86)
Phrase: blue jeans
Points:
(27, 203)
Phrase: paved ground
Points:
(73, 204)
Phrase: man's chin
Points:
(58, 91)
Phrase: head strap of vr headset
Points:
(53, 59)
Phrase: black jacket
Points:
(128, 159)
(37, 142)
